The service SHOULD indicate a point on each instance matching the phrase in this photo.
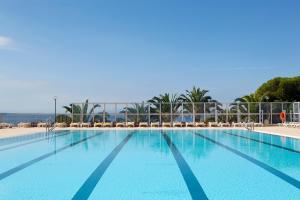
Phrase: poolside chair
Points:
(60, 125)
(213, 124)
(189, 124)
(43, 125)
(154, 124)
(86, 125)
(130, 124)
(166, 124)
(98, 124)
(258, 124)
(107, 124)
(24, 125)
(5, 125)
(200, 124)
(238, 124)
(120, 124)
(224, 124)
(75, 125)
(177, 124)
(143, 124)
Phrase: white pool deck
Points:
(275, 130)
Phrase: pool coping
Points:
(39, 130)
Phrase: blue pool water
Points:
(150, 164)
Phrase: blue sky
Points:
(134, 49)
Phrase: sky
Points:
(132, 50)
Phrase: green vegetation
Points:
(277, 89)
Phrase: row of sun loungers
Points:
(144, 124)
(290, 124)
(164, 124)
(246, 124)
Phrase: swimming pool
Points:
(150, 164)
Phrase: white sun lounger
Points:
(177, 124)
(143, 124)
(154, 124)
(213, 124)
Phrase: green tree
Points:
(137, 112)
(163, 103)
(198, 97)
(81, 113)
(280, 89)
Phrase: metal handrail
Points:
(51, 126)
(251, 127)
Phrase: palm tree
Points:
(246, 104)
(193, 99)
(164, 105)
(80, 113)
(136, 113)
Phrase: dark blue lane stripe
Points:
(31, 142)
(263, 142)
(42, 157)
(270, 169)
(191, 181)
(89, 185)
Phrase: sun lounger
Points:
(166, 124)
(24, 125)
(98, 124)
(258, 124)
(213, 124)
(86, 124)
(143, 124)
(43, 125)
(177, 124)
(107, 124)
(154, 124)
(130, 124)
(120, 124)
(60, 124)
(189, 124)
(238, 124)
(5, 125)
(75, 125)
(200, 124)
(222, 124)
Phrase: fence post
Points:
(271, 110)
(138, 113)
(238, 112)
(126, 113)
(260, 112)
(160, 113)
(171, 114)
(216, 113)
(227, 110)
(204, 108)
(104, 112)
(193, 104)
(93, 113)
(116, 112)
(181, 112)
(249, 112)
(81, 113)
(149, 121)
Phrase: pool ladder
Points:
(51, 126)
(250, 126)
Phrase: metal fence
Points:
(264, 112)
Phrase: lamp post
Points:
(55, 97)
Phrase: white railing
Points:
(262, 112)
